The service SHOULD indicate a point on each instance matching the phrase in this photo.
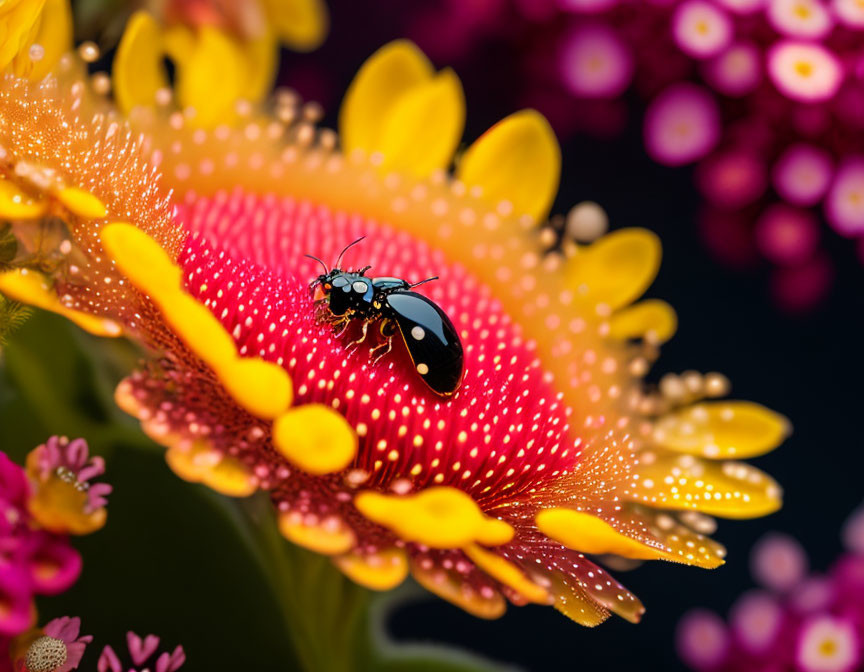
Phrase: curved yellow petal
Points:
(315, 438)
(82, 203)
(451, 587)
(722, 489)
(384, 77)
(261, 387)
(300, 24)
(517, 160)
(197, 463)
(652, 319)
(722, 429)
(329, 537)
(439, 517)
(212, 78)
(18, 204)
(616, 269)
(587, 533)
(53, 35)
(423, 127)
(379, 571)
(507, 573)
(18, 25)
(574, 602)
(31, 288)
(260, 55)
(137, 72)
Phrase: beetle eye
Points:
(327, 286)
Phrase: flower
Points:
(681, 125)
(32, 560)
(141, 651)
(63, 498)
(551, 449)
(55, 648)
(224, 52)
(804, 624)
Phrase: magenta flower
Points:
(142, 652)
(56, 648)
(799, 624)
(38, 508)
(681, 125)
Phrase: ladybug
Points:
(429, 336)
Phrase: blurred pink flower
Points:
(799, 624)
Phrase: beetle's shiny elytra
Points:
(429, 336)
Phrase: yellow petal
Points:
(331, 537)
(439, 517)
(300, 24)
(53, 35)
(17, 204)
(507, 573)
(585, 533)
(32, 288)
(198, 463)
(178, 41)
(315, 438)
(450, 586)
(82, 203)
(384, 77)
(589, 534)
(423, 127)
(18, 24)
(260, 56)
(517, 160)
(652, 319)
(137, 72)
(262, 388)
(617, 269)
(377, 571)
(723, 489)
(212, 78)
(722, 429)
(574, 602)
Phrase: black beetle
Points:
(429, 335)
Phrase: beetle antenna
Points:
(347, 247)
(326, 270)
(423, 282)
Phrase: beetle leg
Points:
(341, 327)
(363, 331)
(384, 348)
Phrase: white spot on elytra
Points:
(418, 333)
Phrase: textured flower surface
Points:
(801, 622)
(192, 242)
(40, 507)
